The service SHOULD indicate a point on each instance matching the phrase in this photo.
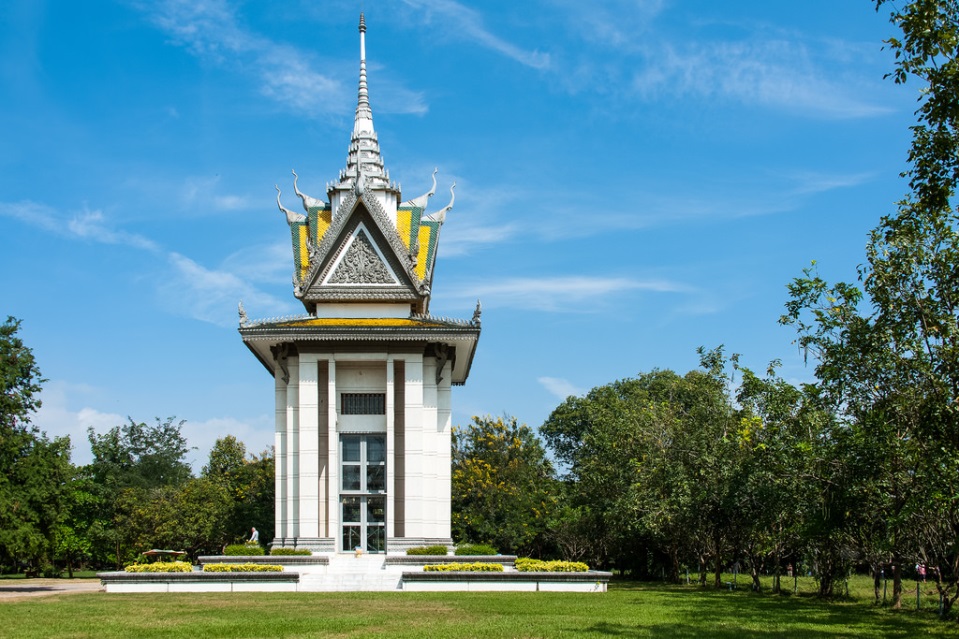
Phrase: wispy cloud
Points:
(559, 294)
(211, 295)
(560, 388)
(84, 224)
(777, 74)
(469, 23)
(188, 289)
(212, 31)
(650, 51)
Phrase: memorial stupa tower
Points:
(363, 379)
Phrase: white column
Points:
(309, 478)
(334, 464)
(444, 479)
(280, 454)
(416, 514)
(390, 447)
(432, 488)
(293, 447)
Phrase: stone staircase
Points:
(348, 572)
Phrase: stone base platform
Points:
(351, 573)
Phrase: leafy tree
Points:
(503, 485)
(35, 469)
(250, 484)
(128, 462)
(649, 467)
(888, 354)
(190, 517)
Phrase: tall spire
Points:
(364, 164)
(364, 116)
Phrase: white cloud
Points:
(212, 295)
(57, 418)
(467, 22)
(256, 433)
(560, 388)
(564, 294)
(84, 224)
(211, 30)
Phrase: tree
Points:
(503, 485)
(649, 467)
(35, 469)
(250, 484)
(128, 462)
(888, 354)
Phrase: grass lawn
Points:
(628, 610)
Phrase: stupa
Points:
(363, 379)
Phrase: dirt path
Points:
(11, 589)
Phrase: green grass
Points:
(628, 610)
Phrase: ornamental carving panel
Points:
(361, 265)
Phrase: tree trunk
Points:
(718, 571)
(876, 580)
(896, 586)
(754, 573)
(674, 565)
(702, 570)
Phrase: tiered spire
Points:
(364, 164)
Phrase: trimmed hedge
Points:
(161, 566)
(525, 564)
(476, 566)
(243, 550)
(465, 550)
(291, 551)
(427, 550)
(242, 568)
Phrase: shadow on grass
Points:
(746, 614)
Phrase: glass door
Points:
(363, 493)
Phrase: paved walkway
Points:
(19, 588)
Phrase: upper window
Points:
(363, 403)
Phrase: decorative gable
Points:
(362, 264)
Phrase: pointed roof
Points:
(390, 248)
(364, 161)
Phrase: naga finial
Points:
(308, 201)
(421, 201)
(440, 216)
(291, 217)
(477, 313)
(244, 320)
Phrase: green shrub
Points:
(475, 549)
(161, 566)
(242, 568)
(525, 564)
(291, 551)
(473, 567)
(427, 550)
(243, 550)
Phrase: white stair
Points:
(347, 572)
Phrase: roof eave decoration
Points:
(459, 337)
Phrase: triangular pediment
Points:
(362, 258)
(361, 264)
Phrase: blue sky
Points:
(634, 179)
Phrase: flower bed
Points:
(290, 552)
(477, 566)
(242, 568)
(525, 564)
(161, 566)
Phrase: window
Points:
(362, 498)
(363, 403)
